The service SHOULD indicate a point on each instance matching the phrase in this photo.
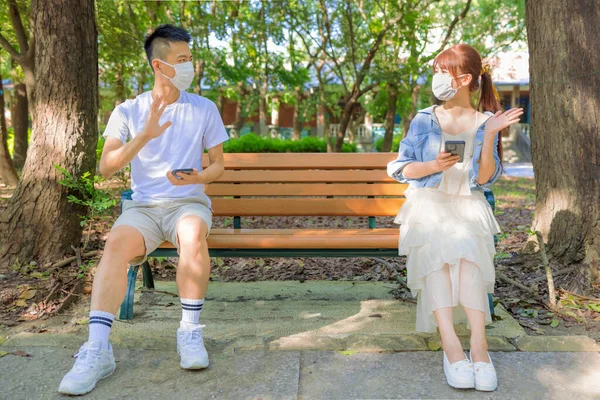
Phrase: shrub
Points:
(251, 143)
(395, 143)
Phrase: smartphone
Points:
(182, 171)
(456, 148)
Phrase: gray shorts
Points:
(157, 222)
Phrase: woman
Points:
(446, 224)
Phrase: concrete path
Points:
(521, 170)
(154, 374)
(288, 340)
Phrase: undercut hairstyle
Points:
(158, 42)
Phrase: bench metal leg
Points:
(147, 276)
(127, 306)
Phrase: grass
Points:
(515, 189)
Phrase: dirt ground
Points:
(32, 291)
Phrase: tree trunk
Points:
(240, 117)
(345, 120)
(141, 82)
(8, 175)
(414, 95)
(390, 116)
(39, 223)
(262, 109)
(199, 76)
(297, 120)
(119, 85)
(20, 123)
(565, 135)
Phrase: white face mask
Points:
(442, 86)
(184, 74)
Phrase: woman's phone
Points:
(182, 171)
(456, 148)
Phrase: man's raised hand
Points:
(152, 128)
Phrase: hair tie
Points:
(486, 69)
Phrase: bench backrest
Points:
(306, 184)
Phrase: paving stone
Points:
(385, 343)
(556, 343)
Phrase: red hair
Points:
(464, 59)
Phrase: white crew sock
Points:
(100, 324)
(190, 312)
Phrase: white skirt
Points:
(449, 242)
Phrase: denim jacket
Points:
(422, 143)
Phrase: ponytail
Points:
(489, 99)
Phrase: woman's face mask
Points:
(184, 74)
(442, 86)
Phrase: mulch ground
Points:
(32, 291)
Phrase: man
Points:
(157, 132)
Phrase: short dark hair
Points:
(160, 39)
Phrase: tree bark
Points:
(20, 124)
(390, 116)
(199, 75)
(8, 175)
(39, 223)
(119, 84)
(414, 95)
(296, 118)
(565, 135)
(240, 117)
(262, 109)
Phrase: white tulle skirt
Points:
(449, 242)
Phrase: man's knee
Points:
(191, 234)
(125, 241)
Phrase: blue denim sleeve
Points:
(406, 155)
(498, 170)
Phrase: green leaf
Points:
(347, 352)
(3, 353)
(555, 322)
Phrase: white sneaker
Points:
(486, 379)
(459, 374)
(190, 347)
(92, 364)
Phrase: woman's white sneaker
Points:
(92, 364)
(190, 347)
(459, 374)
(486, 379)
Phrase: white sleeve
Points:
(117, 125)
(214, 133)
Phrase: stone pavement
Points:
(283, 340)
(519, 170)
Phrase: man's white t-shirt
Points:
(196, 125)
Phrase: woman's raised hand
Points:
(502, 120)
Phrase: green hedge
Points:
(395, 143)
(252, 143)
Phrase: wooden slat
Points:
(279, 161)
(377, 207)
(313, 189)
(301, 239)
(264, 176)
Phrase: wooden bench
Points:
(303, 185)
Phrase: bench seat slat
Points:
(306, 176)
(384, 238)
(279, 161)
(378, 207)
(300, 189)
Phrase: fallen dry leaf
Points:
(28, 294)
(21, 303)
(20, 353)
